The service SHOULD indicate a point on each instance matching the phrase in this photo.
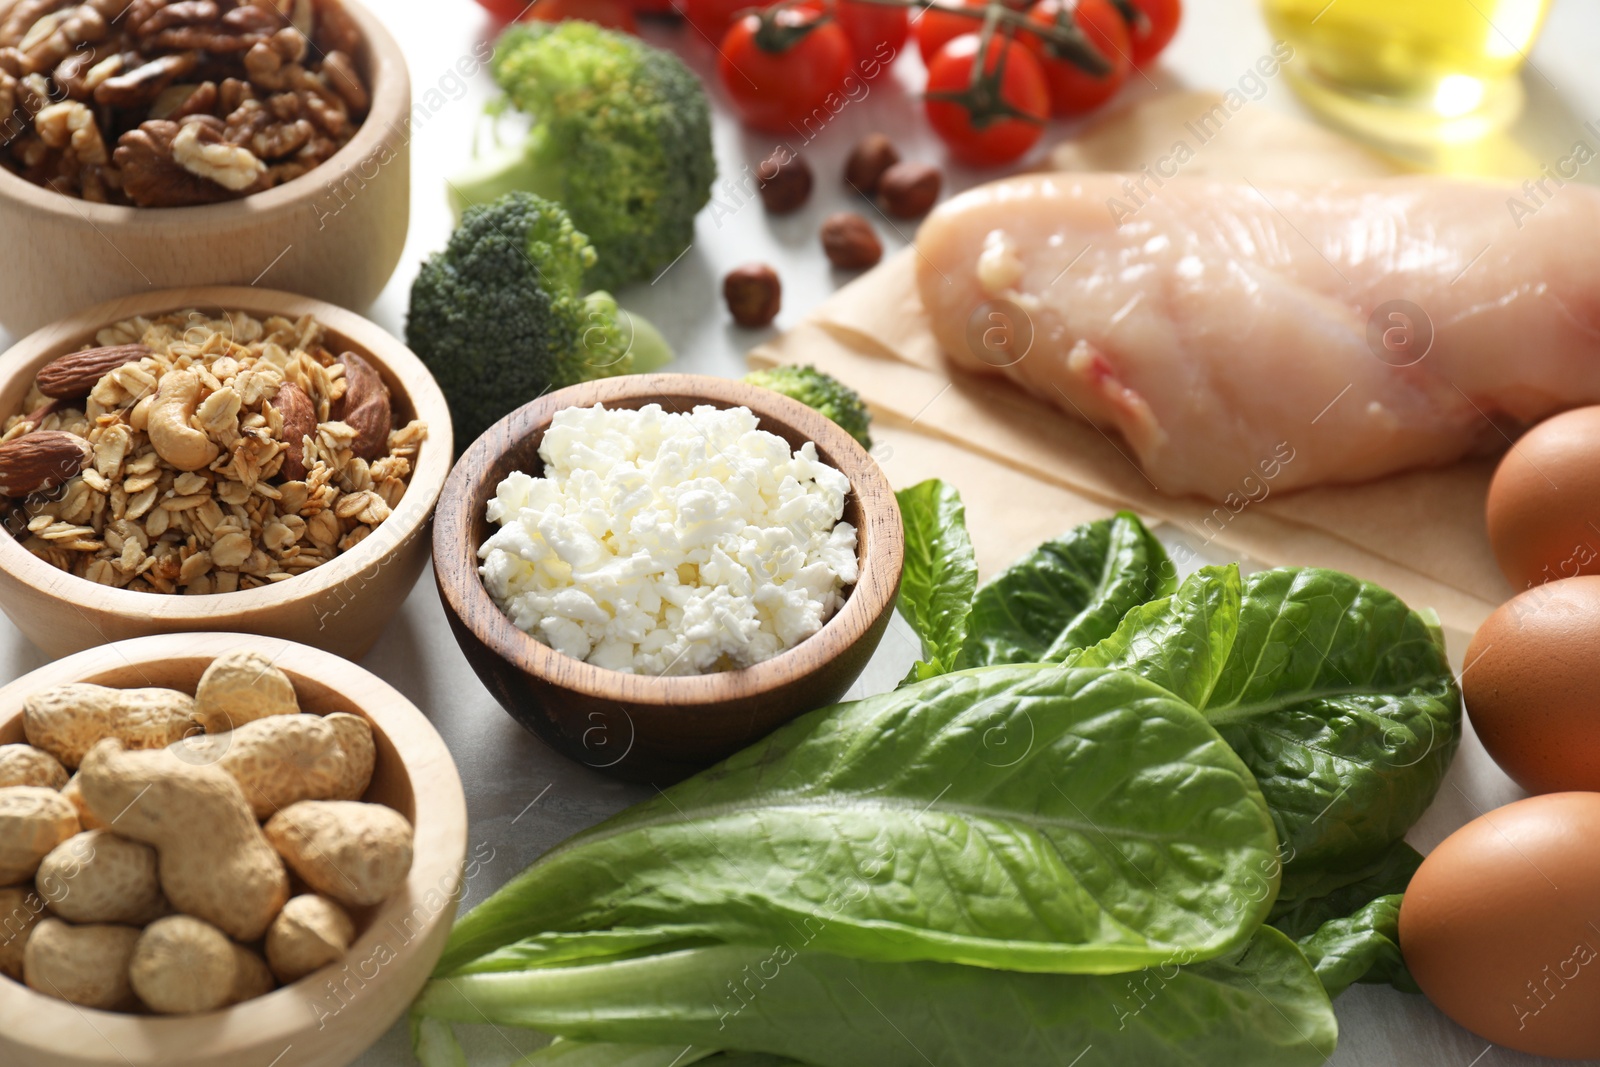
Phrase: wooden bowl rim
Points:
(410, 514)
(389, 112)
(438, 855)
(456, 563)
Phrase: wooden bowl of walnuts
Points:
(284, 884)
(236, 142)
(215, 459)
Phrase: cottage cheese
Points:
(665, 543)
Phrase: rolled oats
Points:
(130, 519)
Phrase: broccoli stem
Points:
(506, 169)
(650, 350)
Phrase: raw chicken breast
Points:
(1223, 329)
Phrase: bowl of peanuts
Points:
(218, 850)
(217, 458)
(153, 144)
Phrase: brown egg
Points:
(1501, 926)
(1544, 501)
(1532, 686)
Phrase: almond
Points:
(40, 461)
(74, 374)
(299, 422)
(365, 407)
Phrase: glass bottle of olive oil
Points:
(1410, 70)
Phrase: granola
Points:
(169, 103)
(186, 487)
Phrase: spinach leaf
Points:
(940, 575)
(1029, 817)
(564, 1053)
(1180, 642)
(1362, 948)
(1340, 699)
(1067, 594)
(1308, 901)
(1260, 1006)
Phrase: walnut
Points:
(143, 84)
(336, 31)
(22, 17)
(253, 19)
(152, 178)
(12, 62)
(180, 101)
(340, 74)
(232, 93)
(181, 13)
(266, 68)
(70, 123)
(200, 149)
(55, 36)
(289, 44)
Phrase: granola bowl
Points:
(323, 554)
(335, 231)
(332, 1015)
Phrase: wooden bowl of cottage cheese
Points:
(656, 704)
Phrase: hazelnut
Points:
(909, 190)
(850, 241)
(754, 294)
(868, 160)
(784, 179)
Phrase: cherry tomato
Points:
(652, 7)
(780, 67)
(504, 10)
(1152, 29)
(713, 17)
(998, 119)
(877, 33)
(1074, 90)
(937, 27)
(612, 14)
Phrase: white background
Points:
(523, 798)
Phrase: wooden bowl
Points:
(341, 606)
(640, 727)
(336, 232)
(329, 1017)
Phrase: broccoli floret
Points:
(822, 391)
(621, 139)
(499, 318)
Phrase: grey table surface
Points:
(523, 798)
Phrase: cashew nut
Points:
(171, 433)
(85, 965)
(98, 877)
(358, 854)
(26, 765)
(308, 934)
(20, 910)
(242, 687)
(33, 820)
(276, 761)
(182, 965)
(67, 720)
(214, 862)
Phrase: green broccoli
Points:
(621, 138)
(499, 318)
(822, 391)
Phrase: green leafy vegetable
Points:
(564, 1053)
(1362, 948)
(940, 575)
(1321, 896)
(1034, 818)
(1260, 1006)
(1342, 702)
(1336, 695)
(1180, 642)
(1067, 594)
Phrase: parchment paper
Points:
(1028, 472)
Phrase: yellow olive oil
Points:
(1453, 61)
